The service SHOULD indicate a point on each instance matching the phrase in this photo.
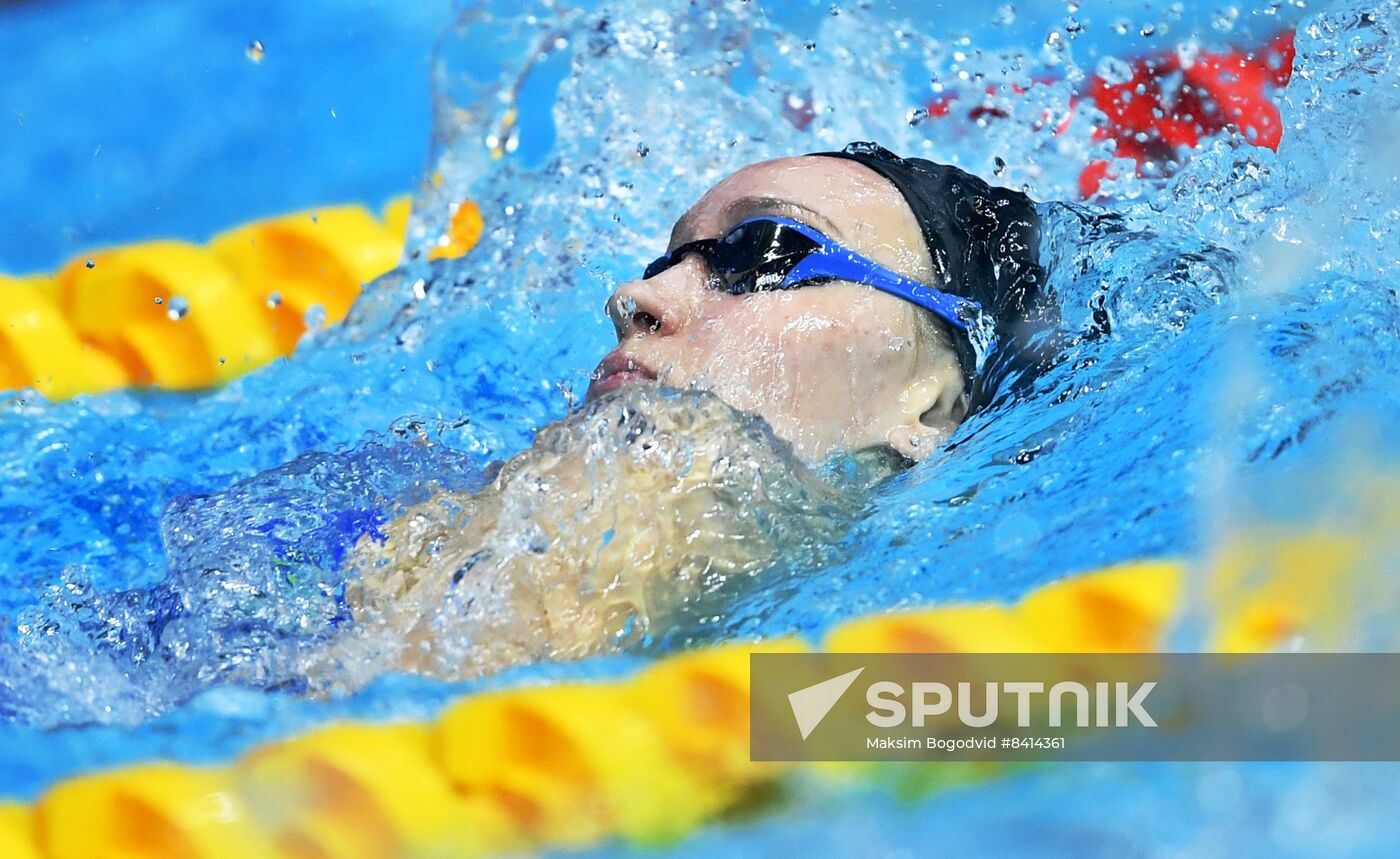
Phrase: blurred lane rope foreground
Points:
(648, 758)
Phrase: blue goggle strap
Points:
(834, 261)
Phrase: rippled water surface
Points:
(176, 568)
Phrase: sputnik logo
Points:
(810, 705)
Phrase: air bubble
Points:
(255, 51)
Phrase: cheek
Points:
(749, 342)
(819, 342)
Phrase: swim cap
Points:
(984, 241)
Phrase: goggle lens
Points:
(755, 256)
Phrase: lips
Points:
(617, 370)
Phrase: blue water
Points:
(123, 121)
(1232, 341)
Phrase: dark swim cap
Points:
(985, 245)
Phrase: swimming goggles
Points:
(767, 253)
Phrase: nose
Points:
(658, 306)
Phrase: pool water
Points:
(173, 561)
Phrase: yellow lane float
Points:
(170, 312)
(155, 810)
(294, 263)
(367, 792)
(39, 348)
(536, 752)
(1121, 609)
(700, 703)
(17, 833)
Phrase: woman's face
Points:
(831, 366)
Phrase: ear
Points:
(932, 408)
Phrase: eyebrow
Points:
(755, 205)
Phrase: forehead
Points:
(842, 198)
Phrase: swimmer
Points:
(827, 305)
(877, 353)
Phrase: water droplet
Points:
(999, 165)
(159, 300)
(411, 336)
(91, 263)
(179, 308)
(811, 46)
(1224, 20)
(1005, 16)
(643, 150)
(1188, 52)
(1148, 29)
(1113, 71)
(274, 300)
(255, 51)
